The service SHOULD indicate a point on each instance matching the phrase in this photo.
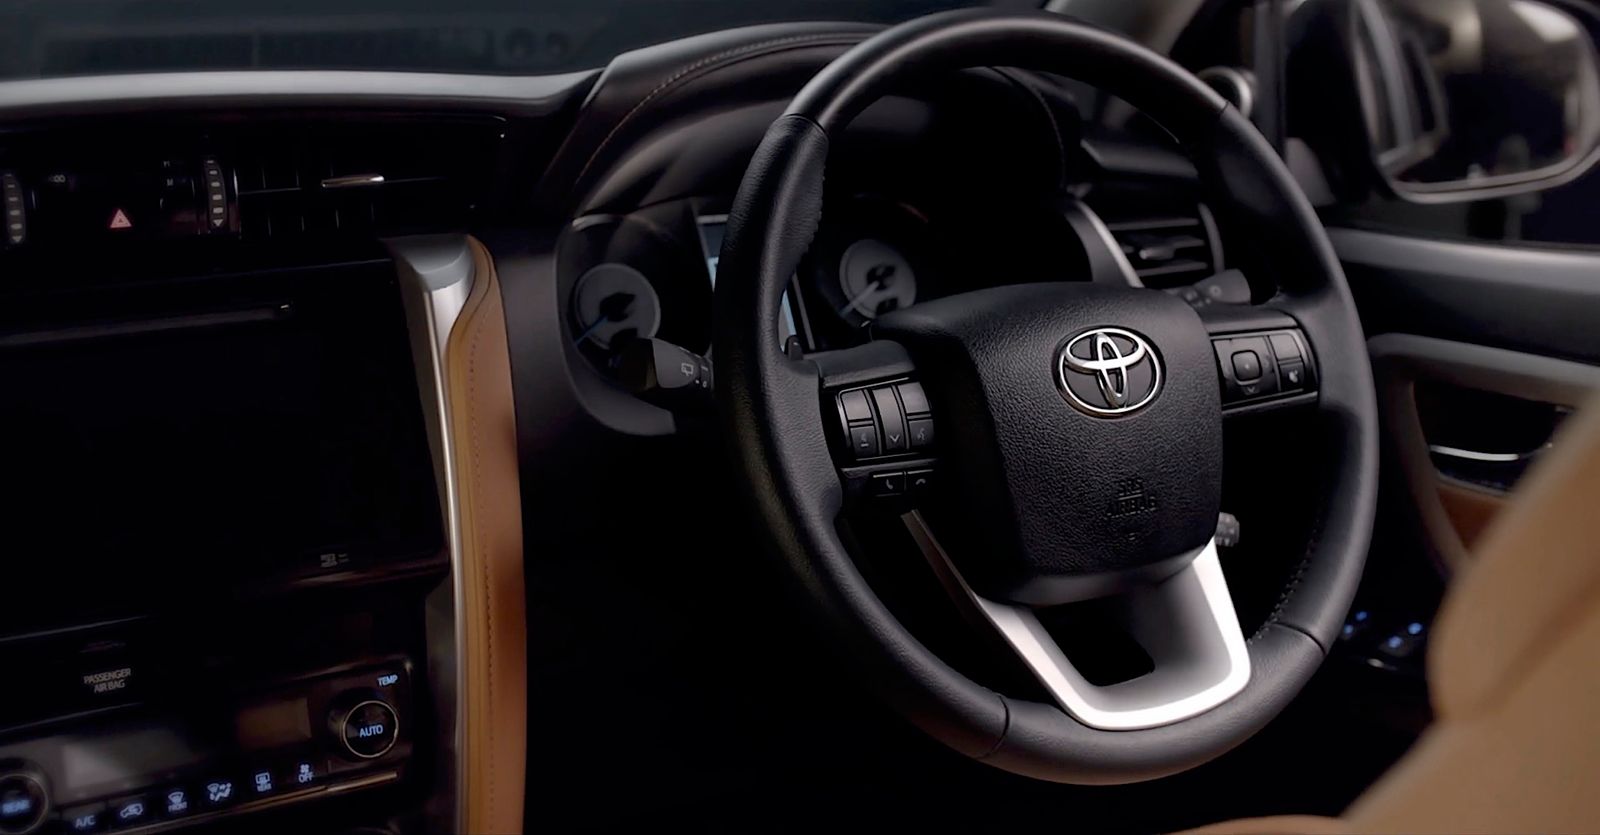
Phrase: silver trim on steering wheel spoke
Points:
(1186, 623)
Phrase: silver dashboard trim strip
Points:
(1087, 223)
(141, 92)
(1474, 455)
(353, 181)
(436, 273)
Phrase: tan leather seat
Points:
(1515, 674)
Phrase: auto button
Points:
(367, 728)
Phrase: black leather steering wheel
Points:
(1080, 431)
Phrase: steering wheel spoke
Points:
(1186, 624)
(881, 425)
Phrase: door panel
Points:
(1479, 351)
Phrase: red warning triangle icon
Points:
(119, 220)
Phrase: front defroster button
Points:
(177, 802)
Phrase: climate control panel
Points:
(331, 731)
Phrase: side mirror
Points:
(1452, 100)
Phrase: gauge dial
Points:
(612, 298)
(875, 279)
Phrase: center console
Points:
(224, 505)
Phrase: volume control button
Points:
(892, 419)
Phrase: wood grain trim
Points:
(494, 617)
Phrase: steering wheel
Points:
(1078, 452)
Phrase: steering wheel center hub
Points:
(1106, 372)
(1084, 434)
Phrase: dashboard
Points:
(891, 233)
(241, 429)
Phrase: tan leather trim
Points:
(1534, 575)
(1513, 673)
(1470, 509)
(1525, 762)
(494, 619)
(1279, 825)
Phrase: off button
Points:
(370, 729)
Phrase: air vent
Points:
(367, 183)
(1168, 249)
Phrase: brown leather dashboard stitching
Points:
(494, 666)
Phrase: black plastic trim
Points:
(1535, 300)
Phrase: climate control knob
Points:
(24, 798)
(365, 726)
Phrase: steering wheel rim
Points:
(770, 409)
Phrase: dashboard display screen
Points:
(711, 231)
(179, 440)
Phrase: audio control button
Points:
(370, 729)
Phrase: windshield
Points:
(41, 38)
